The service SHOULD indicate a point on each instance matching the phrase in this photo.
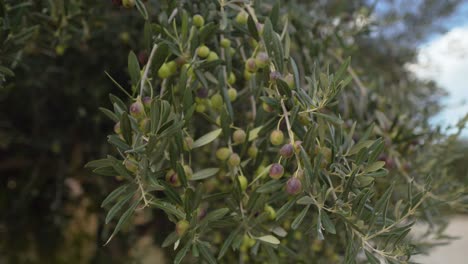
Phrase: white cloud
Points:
(445, 61)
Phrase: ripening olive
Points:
(234, 160)
(137, 109)
(276, 137)
(289, 79)
(261, 60)
(223, 153)
(267, 108)
(287, 151)
(239, 136)
(276, 171)
(293, 186)
(251, 65)
(128, 3)
(172, 178)
(188, 172)
(181, 227)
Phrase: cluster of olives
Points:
(227, 155)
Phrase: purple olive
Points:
(276, 171)
(293, 186)
(287, 151)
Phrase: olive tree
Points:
(259, 140)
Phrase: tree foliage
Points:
(263, 130)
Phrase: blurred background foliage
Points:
(52, 61)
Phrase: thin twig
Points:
(148, 65)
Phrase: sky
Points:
(444, 59)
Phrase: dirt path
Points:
(454, 253)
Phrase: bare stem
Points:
(148, 65)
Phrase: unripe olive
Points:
(232, 93)
(252, 151)
(298, 235)
(289, 79)
(225, 43)
(270, 211)
(216, 101)
(218, 238)
(172, 66)
(293, 186)
(276, 137)
(117, 129)
(248, 75)
(200, 108)
(203, 51)
(250, 65)
(232, 51)
(276, 171)
(212, 56)
(198, 21)
(144, 124)
(327, 153)
(164, 71)
(253, 42)
(188, 172)
(172, 178)
(261, 60)
(188, 143)
(181, 227)
(223, 153)
(60, 50)
(287, 151)
(239, 136)
(243, 182)
(124, 37)
(303, 119)
(247, 241)
(189, 69)
(317, 245)
(232, 78)
(249, 115)
(242, 18)
(137, 109)
(234, 160)
(128, 3)
(267, 108)
(131, 165)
